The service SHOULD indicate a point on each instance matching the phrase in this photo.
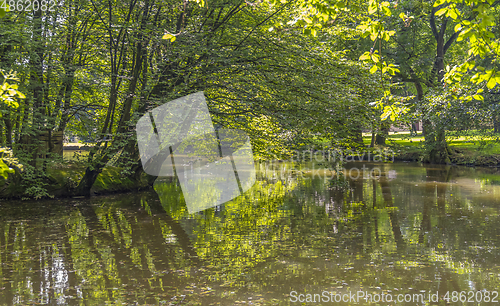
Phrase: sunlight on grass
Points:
(485, 144)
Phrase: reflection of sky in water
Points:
(55, 280)
(60, 279)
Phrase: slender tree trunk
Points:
(17, 136)
(8, 131)
(358, 135)
(36, 85)
(100, 156)
(496, 123)
(65, 95)
(414, 128)
(2, 136)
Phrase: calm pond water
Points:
(413, 230)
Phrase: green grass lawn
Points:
(483, 144)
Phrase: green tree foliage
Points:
(8, 100)
(94, 74)
(430, 59)
(286, 72)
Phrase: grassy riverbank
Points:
(473, 150)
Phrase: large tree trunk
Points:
(427, 131)
(439, 151)
(380, 139)
(89, 178)
(435, 140)
(383, 133)
(496, 123)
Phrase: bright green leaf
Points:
(441, 11)
(372, 7)
(439, 2)
(453, 14)
(4, 170)
(365, 56)
(491, 83)
(167, 36)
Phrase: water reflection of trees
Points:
(96, 252)
(285, 234)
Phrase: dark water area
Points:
(409, 229)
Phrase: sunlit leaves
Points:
(6, 159)
(5, 170)
(169, 36)
(449, 11)
(391, 69)
(439, 2)
(372, 7)
(375, 30)
(490, 76)
(385, 8)
(9, 92)
(394, 111)
(378, 64)
(478, 97)
(309, 16)
(365, 56)
(493, 80)
(480, 32)
(200, 2)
